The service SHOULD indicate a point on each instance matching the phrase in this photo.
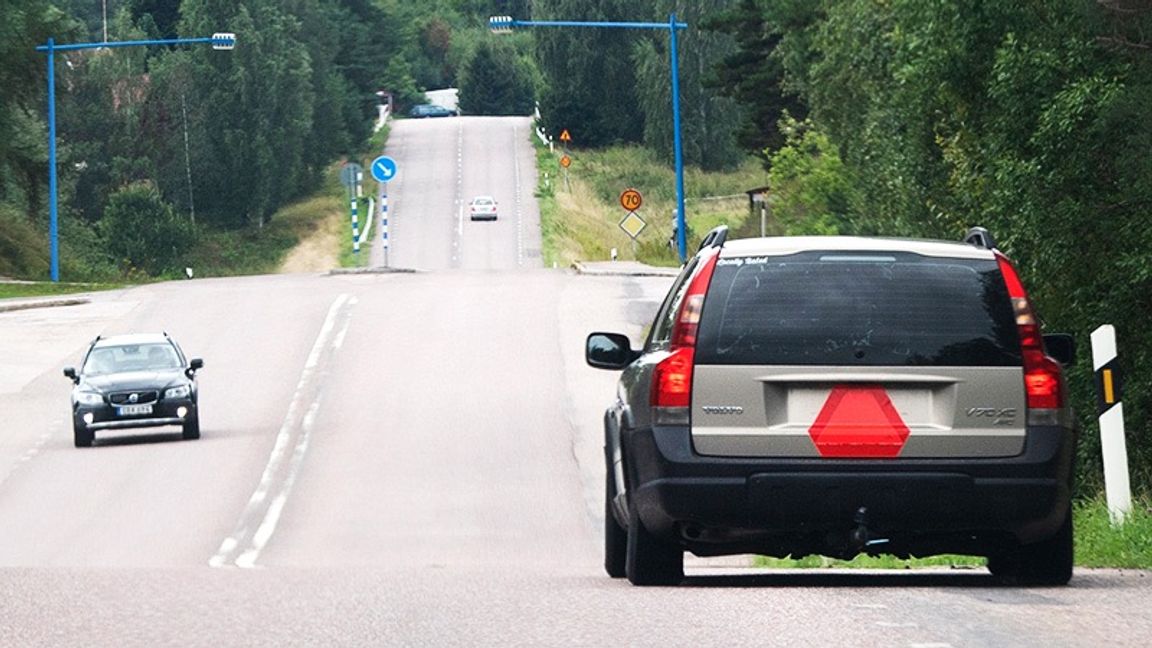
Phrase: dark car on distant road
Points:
(134, 381)
(430, 110)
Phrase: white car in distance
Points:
(482, 208)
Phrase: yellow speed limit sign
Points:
(565, 161)
(631, 200)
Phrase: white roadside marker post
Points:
(1111, 411)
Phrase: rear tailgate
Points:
(858, 353)
(907, 412)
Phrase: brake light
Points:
(672, 376)
(672, 379)
(1043, 377)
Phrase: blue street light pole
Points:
(220, 41)
(504, 24)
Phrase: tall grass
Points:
(1100, 544)
(580, 214)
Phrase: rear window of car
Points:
(858, 309)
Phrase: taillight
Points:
(672, 376)
(1043, 377)
(672, 379)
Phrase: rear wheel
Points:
(82, 436)
(1048, 562)
(615, 537)
(192, 427)
(650, 560)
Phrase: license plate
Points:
(133, 410)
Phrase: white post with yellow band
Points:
(1111, 409)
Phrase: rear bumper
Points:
(715, 505)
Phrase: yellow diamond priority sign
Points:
(633, 225)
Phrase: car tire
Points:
(650, 560)
(82, 436)
(1048, 562)
(192, 427)
(615, 536)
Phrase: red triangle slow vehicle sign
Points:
(859, 421)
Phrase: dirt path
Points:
(320, 250)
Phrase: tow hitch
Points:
(861, 539)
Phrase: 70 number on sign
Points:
(631, 200)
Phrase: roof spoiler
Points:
(714, 238)
(980, 237)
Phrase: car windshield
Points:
(482, 202)
(131, 357)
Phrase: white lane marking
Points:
(34, 451)
(247, 560)
(40, 443)
(870, 606)
(896, 624)
(929, 645)
(339, 341)
(519, 221)
(272, 468)
(456, 244)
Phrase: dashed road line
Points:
(261, 515)
(519, 220)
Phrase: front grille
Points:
(142, 397)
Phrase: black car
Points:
(134, 381)
(841, 395)
(430, 110)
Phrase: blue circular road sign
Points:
(384, 168)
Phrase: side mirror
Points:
(194, 365)
(1062, 348)
(609, 351)
(70, 372)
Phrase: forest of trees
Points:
(885, 117)
(217, 141)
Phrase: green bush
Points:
(23, 250)
(143, 232)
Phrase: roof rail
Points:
(714, 238)
(980, 237)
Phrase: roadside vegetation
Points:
(10, 290)
(177, 157)
(580, 216)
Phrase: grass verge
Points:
(48, 289)
(580, 213)
(349, 258)
(1097, 542)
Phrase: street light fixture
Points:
(219, 41)
(505, 24)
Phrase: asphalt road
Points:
(410, 459)
(442, 164)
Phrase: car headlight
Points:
(183, 391)
(89, 398)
